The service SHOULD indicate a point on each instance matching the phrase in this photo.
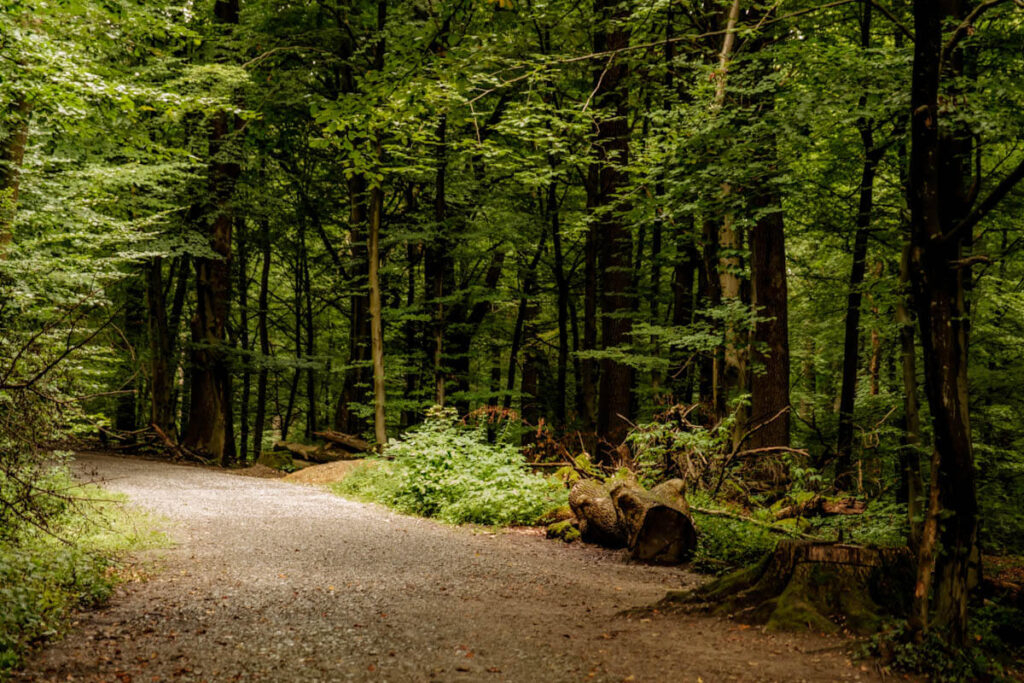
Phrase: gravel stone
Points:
(270, 581)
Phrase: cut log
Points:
(823, 587)
(657, 523)
(598, 520)
(350, 443)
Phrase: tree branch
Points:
(990, 202)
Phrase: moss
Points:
(567, 530)
(277, 460)
(794, 612)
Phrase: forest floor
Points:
(270, 581)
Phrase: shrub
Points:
(448, 470)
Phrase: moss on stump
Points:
(807, 585)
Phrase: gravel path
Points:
(271, 581)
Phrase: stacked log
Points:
(655, 525)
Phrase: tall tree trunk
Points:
(264, 336)
(615, 392)
(686, 266)
(851, 338)
(293, 387)
(770, 379)
(524, 318)
(354, 385)
(712, 393)
(562, 292)
(243, 333)
(209, 426)
(587, 395)
(909, 459)
(938, 197)
(161, 364)
(438, 265)
(412, 377)
(376, 326)
(310, 339)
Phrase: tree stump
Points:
(822, 587)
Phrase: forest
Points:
(773, 250)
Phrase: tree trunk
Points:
(562, 292)
(354, 385)
(938, 198)
(243, 332)
(264, 336)
(909, 459)
(376, 326)
(615, 392)
(310, 339)
(161, 365)
(209, 426)
(770, 380)
(851, 338)
(438, 266)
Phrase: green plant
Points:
(448, 470)
(73, 562)
(995, 647)
(724, 544)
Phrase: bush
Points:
(448, 470)
(73, 562)
(993, 652)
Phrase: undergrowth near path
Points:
(450, 471)
(74, 561)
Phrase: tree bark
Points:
(243, 332)
(354, 386)
(264, 336)
(209, 425)
(851, 338)
(376, 325)
(938, 198)
(210, 428)
(770, 379)
(615, 392)
(161, 364)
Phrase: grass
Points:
(75, 563)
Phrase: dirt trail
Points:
(270, 581)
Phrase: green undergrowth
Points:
(994, 650)
(450, 471)
(724, 544)
(75, 562)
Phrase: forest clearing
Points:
(719, 301)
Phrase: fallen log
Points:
(820, 506)
(598, 519)
(346, 441)
(657, 523)
(823, 587)
(300, 450)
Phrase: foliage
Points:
(993, 651)
(44, 575)
(446, 470)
